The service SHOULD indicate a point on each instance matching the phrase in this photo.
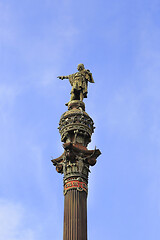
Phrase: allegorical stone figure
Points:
(79, 82)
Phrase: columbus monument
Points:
(76, 128)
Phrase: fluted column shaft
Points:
(75, 215)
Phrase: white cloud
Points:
(12, 227)
(7, 27)
(8, 94)
(47, 53)
(122, 112)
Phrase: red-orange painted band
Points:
(76, 184)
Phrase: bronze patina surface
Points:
(79, 82)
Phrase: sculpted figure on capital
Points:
(79, 82)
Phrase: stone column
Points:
(76, 128)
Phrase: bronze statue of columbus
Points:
(79, 82)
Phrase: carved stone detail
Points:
(75, 125)
(76, 128)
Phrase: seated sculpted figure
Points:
(79, 82)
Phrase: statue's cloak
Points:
(79, 81)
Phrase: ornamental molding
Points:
(79, 185)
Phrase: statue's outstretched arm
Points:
(63, 77)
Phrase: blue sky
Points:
(119, 42)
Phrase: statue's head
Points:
(80, 66)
